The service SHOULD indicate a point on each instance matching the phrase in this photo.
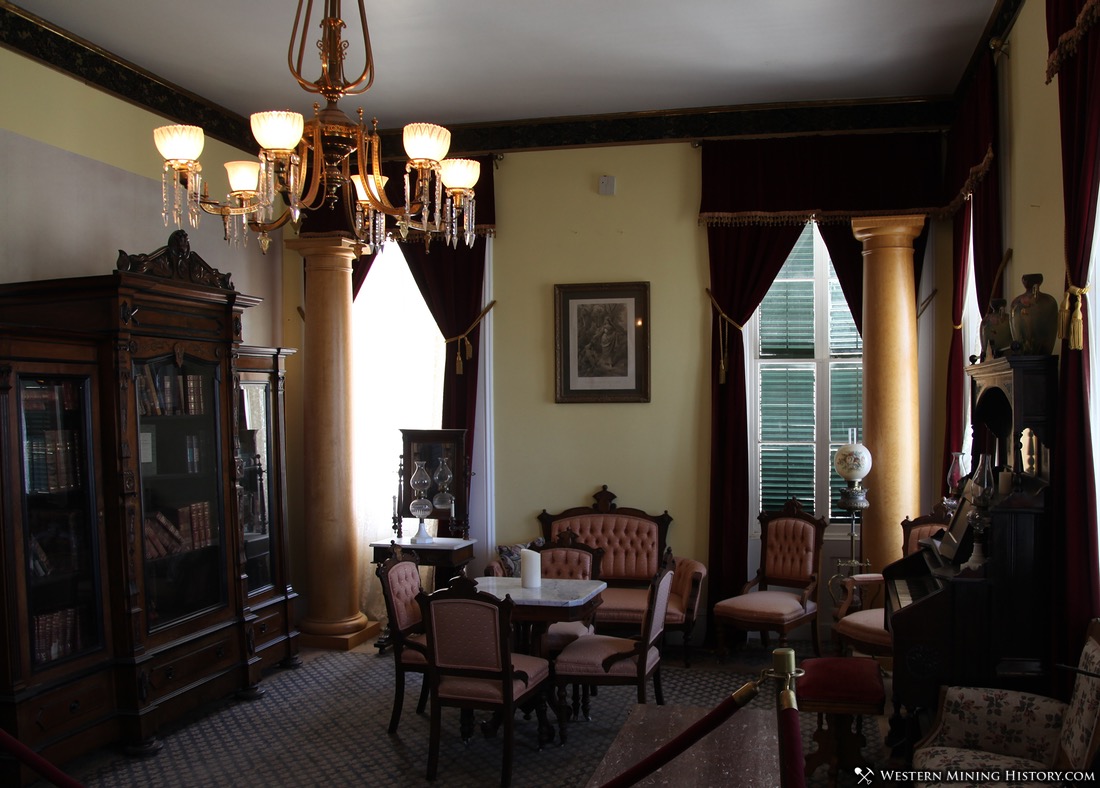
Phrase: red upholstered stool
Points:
(842, 689)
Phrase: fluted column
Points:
(891, 414)
(333, 619)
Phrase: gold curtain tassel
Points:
(1076, 333)
(458, 361)
(1063, 316)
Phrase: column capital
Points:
(887, 230)
(335, 250)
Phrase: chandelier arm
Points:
(296, 67)
(266, 227)
(357, 86)
(310, 199)
(373, 144)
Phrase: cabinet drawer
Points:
(190, 663)
(269, 626)
(59, 711)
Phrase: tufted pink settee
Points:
(635, 547)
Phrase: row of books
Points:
(53, 461)
(193, 528)
(168, 392)
(39, 397)
(56, 634)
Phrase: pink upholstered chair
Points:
(400, 578)
(568, 559)
(864, 630)
(471, 664)
(605, 659)
(790, 554)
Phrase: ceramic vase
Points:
(1034, 319)
(995, 330)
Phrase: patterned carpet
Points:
(324, 724)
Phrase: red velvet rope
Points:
(36, 762)
(713, 718)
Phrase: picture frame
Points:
(430, 446)
(601, 342)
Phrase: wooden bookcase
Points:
(133, 455)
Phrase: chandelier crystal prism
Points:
(329, 159)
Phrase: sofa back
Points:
(633, 541)
(630, 544)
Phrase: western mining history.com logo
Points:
(865, 775)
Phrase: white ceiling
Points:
(467, 61)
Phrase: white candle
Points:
(452, 510)
(530, 568)
(395, 506)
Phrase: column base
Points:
(340, 642)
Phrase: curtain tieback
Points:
(723, 337)
(463, 339)
(1072, 326)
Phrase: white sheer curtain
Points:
(397, 384)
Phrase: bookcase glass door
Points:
(254, 492)
(61, 546)
(181, 489)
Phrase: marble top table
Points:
(554, 600)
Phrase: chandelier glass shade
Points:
(328, 159)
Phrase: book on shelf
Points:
(40, 561)
(56, 635)
(53, 461)
(155, 404)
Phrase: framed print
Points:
(601, 342)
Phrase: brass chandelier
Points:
(327, 159)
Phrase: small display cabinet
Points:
(261, 502)
(56, 660)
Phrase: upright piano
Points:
(937, 613)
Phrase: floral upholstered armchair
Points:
(982, 730)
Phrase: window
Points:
(398, 368)
(808, 379)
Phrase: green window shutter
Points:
(844, 340)
(787, 433)
(845, 412)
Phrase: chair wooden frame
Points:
(807, 583)
(406, 631)
(478, 655)
(617, 649)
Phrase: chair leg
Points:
(687, 646)
(657, 686)
(816, 637)
(398, 700)
(506, 765)
(433, 740)
(563, 713)
(423, 702)
(586, 692)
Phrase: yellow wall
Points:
(1034, 217)
(553, 227)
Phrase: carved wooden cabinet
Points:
(1014, 400)
(128, 560)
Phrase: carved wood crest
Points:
(175, 261)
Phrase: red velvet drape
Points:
(1075, 47)
(971, 172)
(743, 264)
